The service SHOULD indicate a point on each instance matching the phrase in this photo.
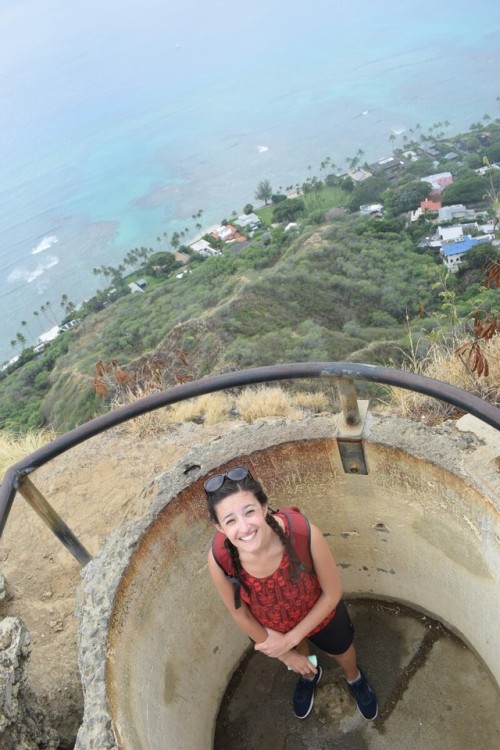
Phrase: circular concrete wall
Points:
(417, 528)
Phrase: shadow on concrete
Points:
(433, 694)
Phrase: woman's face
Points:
(243, 520)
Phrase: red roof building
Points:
(430, 205)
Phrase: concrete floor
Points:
(433, 694)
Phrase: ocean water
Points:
(121, 119)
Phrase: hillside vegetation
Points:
(334, 286)
(322, 295)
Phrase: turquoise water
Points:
(122, 119)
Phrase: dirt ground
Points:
(95, 487)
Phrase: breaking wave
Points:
(45, 244)
(29, 275)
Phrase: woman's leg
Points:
(347, 661)
(303, 648)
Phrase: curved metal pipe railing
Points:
(18, 473)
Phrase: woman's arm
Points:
(331, 593)
(249, 625)
(242, 616)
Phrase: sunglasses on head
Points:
(236, 474)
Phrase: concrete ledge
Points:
(419, 528)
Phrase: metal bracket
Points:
(350, 442)
(352, 455)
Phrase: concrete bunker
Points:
(421, 528)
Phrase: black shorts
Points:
(337, 636)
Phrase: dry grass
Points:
(311, 402)
(211, 408)
(15, 447)
(256, 403)
(441, 363)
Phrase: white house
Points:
(248, 221)
(450, 234)
(134, 287)
(203, 248)
(372, 208)
(439, 180)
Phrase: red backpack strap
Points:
(221, 554)
(222, 557)
(300, 535)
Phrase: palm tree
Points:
(25, 325)
(66, 304)
(36, 314)
(48, 306)
(44, 312)
(21, 339)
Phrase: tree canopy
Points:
(264, 191)
(406, 197)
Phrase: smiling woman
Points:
(279, 581)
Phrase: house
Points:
(430, 205)
(134, 287)
(487, 168)
(358, 175)
(439, 180)
(49, 335)
(390, 166)
(451, 234)
(373, 208)
(453, 252)
(181, 257)
(248, 221)
(430, 151)
(457, 211)
(203, 248)
(410, 155)
(67, 326)
(227, 233)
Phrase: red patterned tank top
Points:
(280, 601)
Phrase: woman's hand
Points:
(299, 663)
(276, 644)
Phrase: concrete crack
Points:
(416, 662)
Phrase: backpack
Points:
(299, 537)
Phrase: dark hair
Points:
(248, 484)
(230, 487)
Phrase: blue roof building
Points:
(453, 252)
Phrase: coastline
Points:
(136, 166)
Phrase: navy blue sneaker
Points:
(364, 696)
(303, 697)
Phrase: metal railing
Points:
(16, 478)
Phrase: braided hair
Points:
(296, 564)
(248, 484)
